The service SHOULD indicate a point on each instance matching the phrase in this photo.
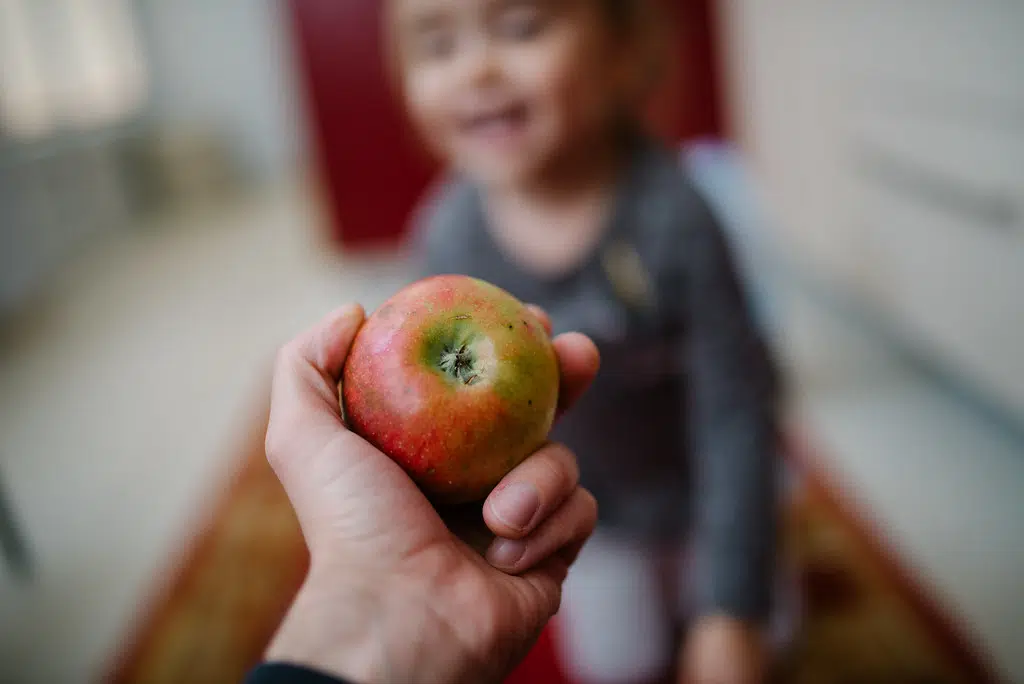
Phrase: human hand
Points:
(722, 650)
(392, 595)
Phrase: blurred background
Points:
(185, 184)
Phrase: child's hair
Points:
(636, 20)
(640, 23)
(622, 12)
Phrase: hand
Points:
(722, 650)
(392, 595)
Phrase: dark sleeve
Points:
(733, 424)
(283, 673)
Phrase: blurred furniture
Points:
(373, 170)
(55, 194)
(74, 79)
(60, 192)
(12, 541)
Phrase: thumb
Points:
(305, 413)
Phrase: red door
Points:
(689, 105)
(371, 167)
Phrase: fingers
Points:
(578, 363)
(541, 315)
(531, 492)
(304, 399)
(578, 360)
(566, 528)
(325, 345)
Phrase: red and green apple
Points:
(456, 380)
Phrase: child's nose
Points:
(479, 64)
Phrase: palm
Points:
(370, 495)
(441, 557)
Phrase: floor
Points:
(125, 395)
(940, 481)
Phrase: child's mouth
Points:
(501, 124)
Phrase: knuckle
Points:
(286, 354)
(272, 444)
(281, 357)
(276, 442)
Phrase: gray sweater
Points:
(677, 435)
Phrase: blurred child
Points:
(557, 195)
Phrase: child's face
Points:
(502, 88)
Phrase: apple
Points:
(456, 380)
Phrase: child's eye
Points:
(521, 22)
(435, 44)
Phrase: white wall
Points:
(226, 64)
(890, 138)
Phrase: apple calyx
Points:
(459, 364)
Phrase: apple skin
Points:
(456, 380)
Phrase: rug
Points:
(863, 618)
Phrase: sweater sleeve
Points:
(733, 423)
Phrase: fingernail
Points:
(516, 505)
(505, 553)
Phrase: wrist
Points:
(331, 629)
(368, 634)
